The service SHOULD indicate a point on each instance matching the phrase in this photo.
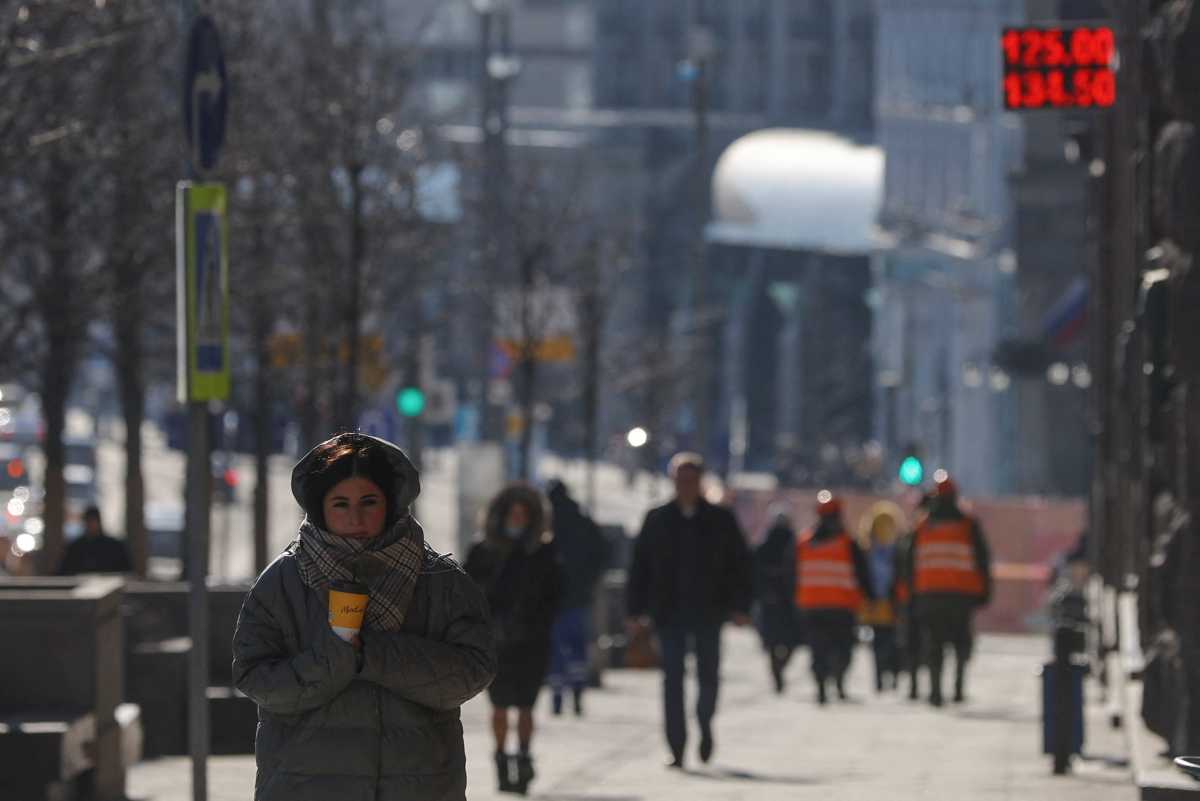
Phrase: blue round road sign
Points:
(205, 94)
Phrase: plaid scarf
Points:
(387, 564)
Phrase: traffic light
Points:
(912, 472)
(410, 402)
(912, 469)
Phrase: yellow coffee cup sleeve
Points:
(346, 609)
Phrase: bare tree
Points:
(53, 54)
(137, 166)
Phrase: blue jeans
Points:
(569, 652)
(675, 641)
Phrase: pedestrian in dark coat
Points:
(691, 572)
(375, 718)
(584, 553)
(517, 566)
(94, 551)
(774, 588)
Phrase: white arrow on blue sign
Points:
(205, 94)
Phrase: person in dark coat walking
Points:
(94, 551)
(375, 718)
(774, 587)
(518, 568)
(584, 553)
(832, 578)
(950, 566)
(691, 571)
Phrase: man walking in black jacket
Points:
(691, 572)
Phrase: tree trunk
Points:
(55, 386)
(127, 311)
(415, 355)
(591, 329)
(133, 404)
(64, 333)
(529, 369)
(347, 413)
(262, 441)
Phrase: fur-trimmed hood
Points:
(539, 512)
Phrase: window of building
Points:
(809, 76)
(754, 22)
(714, 14)
(808, 19)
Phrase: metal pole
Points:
(488, 252)
(199, 478)
(698, 333)
(199, 475)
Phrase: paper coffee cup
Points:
(347, 605)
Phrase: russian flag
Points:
(1067, 317)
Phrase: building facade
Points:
(794, 62)
(944, 293)
(983, 248)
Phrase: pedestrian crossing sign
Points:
(202, 291)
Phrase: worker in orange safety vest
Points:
(832, 579)
(950, 570)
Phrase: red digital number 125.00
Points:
(1036, 48)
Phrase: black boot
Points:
(525, 773)
(822, 699)
(706, 744)
(503, 773)
(578, 702)
(777, 676)
(935, 693)
(556, 701)
(841, 688)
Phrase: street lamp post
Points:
(701, 50)
(497, 68)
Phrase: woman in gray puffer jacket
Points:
(377, 718)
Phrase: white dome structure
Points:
(790, 189)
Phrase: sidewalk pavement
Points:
(770, 747)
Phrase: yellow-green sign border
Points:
(193, 199)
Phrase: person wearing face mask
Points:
(377, 716)
(517, 566)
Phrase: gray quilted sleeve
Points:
(279, 681)
(440, 673)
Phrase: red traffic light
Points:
(15, 468)
(230, 477)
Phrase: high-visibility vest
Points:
(825, 574)
(944, 559)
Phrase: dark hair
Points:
(92, 512)
(338, 460)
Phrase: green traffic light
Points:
(911, 471)
(410, 401)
